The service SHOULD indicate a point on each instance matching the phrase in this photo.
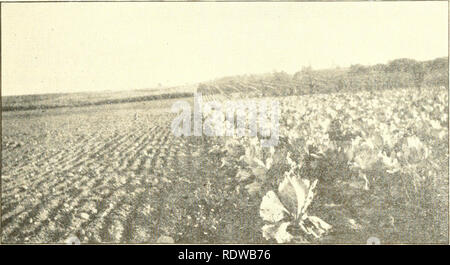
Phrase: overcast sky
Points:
(71, 47)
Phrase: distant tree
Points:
(438, 64)
(358, 69)
(418, 71)
(340, 84)
(401, 65)
(307, 79)
(281, 77)
(378, 67)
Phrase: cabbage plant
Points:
(285, 212)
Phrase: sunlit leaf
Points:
(271, 209)
(277, 232)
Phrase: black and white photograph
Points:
(269, 123)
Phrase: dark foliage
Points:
(399, 73)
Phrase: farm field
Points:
(370, 164)
(49, 101)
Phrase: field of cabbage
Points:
(348, 167)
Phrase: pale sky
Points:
(72, 47)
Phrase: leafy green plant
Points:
(286, 212)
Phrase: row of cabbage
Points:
(374, 134)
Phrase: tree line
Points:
(399, 73)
